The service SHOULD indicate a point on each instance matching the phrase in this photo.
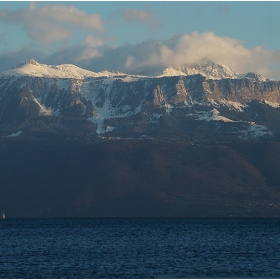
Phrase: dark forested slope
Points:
(132, 178)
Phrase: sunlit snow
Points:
(35, 69)
(170, 71)
(213, 115)
(233, 105)
(272, 104)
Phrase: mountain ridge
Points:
(206, 68)
(70, 71)
(210, 70)
(115, 104)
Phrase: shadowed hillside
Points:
(137, 178)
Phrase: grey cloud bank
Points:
(94, 54)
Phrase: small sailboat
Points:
(3, 216)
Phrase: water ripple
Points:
(140, 248)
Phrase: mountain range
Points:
(184, 100)
(194, 140)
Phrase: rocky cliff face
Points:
(242, 90)
(121, 105)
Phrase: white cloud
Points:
(90, 48)
(52, 23)
(129, 61)
(191, 48)
(91, 41)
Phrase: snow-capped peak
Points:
(253, 77)
(210, 70)
(33, 68)
(206, 68)
(30, 61)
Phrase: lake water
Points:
(140, 248)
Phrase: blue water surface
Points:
(140, 248)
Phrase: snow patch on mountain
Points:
(255, 131)
(272, 104)
(234, 105)
(213, 115)
(253, 77)
(154, 118)
(171, 71)
(15, 134)
(43, 110)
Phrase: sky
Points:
(132, 36)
